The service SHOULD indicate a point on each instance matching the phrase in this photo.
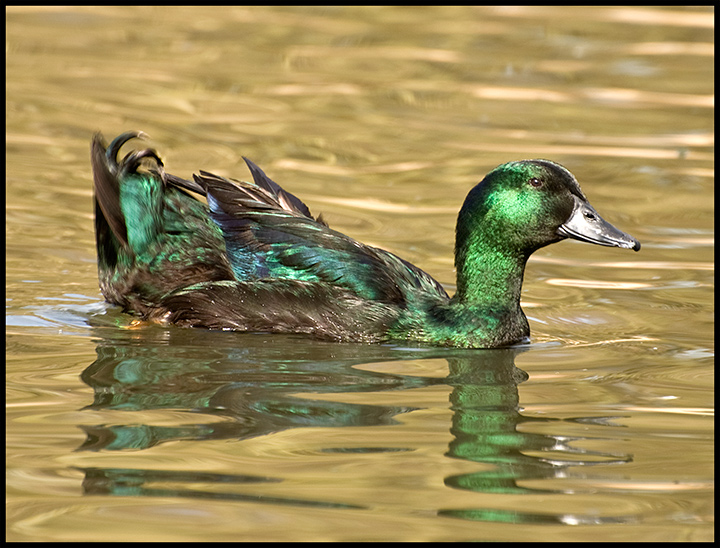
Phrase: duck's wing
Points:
(274, 195)
(270, 234)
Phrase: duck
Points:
(224, 254)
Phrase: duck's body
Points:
(254, 259)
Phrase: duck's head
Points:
(522, 206)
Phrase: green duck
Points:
(253, 258)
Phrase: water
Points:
(382, 119)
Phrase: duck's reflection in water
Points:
(248, 386)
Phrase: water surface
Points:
(382, 119)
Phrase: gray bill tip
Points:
(586, 225)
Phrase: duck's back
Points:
(252, 259)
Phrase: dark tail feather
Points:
(109, 219)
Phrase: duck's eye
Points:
(534, 181)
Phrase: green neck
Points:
(489, 274)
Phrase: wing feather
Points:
(270, 234)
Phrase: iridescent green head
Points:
(518, 208)
(523, 206)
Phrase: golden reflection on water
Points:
(386, 117)
(596, 284)
(311, 167)
(646, 265)
(591, 150)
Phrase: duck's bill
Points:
(586, 225)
